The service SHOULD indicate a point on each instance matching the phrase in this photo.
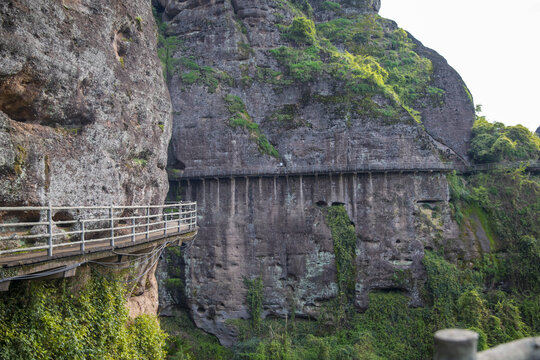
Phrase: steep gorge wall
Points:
(276, 228)
(85, 115)
(245, 95)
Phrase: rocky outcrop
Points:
(85, 115)
(239, 103)
(450, 124)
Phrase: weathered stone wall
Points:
(85, 116)
(273, 227)
(276, 228)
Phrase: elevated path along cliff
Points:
(307, 170)
(53, 241)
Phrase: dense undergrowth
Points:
(59, 320)
(494, 142)
(367, 53)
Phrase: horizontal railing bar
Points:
(65, 222)
(118, 206)
(24, 208)
(24, 249)
(21, 237)
(44, 208)
(23, 224)
(91, 220)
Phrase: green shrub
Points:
(330, 5)
(241, 118)
(47, 320)
(302, 31)
(187, 342)
(492, 142)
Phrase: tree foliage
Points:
(493, 142)
(47, 320)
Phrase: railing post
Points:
(111, 216)
(133, 228)
(49, 230)
(455, 344)
(83, 235)
(179, 217)
(147, 222)
(165, 216)
(194, 219)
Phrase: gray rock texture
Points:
(275, 227)
(450, 124)
(85, 116)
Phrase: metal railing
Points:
(458, 344)
(57, 227)
(342, 168)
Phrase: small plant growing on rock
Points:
(302, 31)
(139, 21)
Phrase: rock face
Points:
(240, 102)
(85, 116)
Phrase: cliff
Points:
(84, 111)
(85, 116)
(280, 84)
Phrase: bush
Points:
(302, 31)
(492, 142)
(46, 320)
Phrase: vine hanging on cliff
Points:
(344, 238)
(254, 301)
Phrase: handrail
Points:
(90, 224)
(344, 168)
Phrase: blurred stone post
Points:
(455, 344)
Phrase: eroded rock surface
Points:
(238, 106)
(85, 115)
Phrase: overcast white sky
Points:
(493, 44)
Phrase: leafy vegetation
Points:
(505, 293)
(187, 68)
(344, 239)
(167, 47)
(254, 301)
(330, 5)
(302, 31)
(187, 342)
(192, 73)
(49, 320)
(493, 142)
(241, 118)
(377, 59)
